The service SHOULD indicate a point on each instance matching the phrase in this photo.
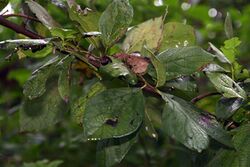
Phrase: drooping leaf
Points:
(79, 105)
(191, 126)
(111, 151)
(177, 35)
(36, 85)
(228, 26)
(158, 66)
(184, 61)
(218, 54)
(226, 107)
(64, 68)
(24, 43)
(44, 111)
(113, 113)
(149, 32)
(87, 20)
(42, 14)
(115, 21)
(225, 85)
(230, 48)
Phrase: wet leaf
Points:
(36, 85)
(184, 61)
(177, 35)
(111, 151)
(149, 32)
(42, 14)
(235, 158)
(113, 113)
(191, 126)
(79, 105)
(225, 85)
(226, 107)
(87, 20)
(44, 111)
(214, 68)
(64, 68)
(115, 21)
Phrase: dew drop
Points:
(176, 46)
(146, 128)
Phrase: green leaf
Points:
(64, 66)
(158, 66)
(238, 158)
(63, 33)
(229, 48)
(79, 106)
(177, 35)
(36, 85)
(43, 163)
(228, 26)
(24, 43)
(115, 21)
(111, 151)
(42, 14)
(240, 73)
(149, 32)
(214, 68)
(184, 61)
(191, 126)
(225, 85)
(225, 107)
(3, 4)
(218, 54)
(113, 113)
(36, 54)
(44, 111)
(116, 69)
(88, 21)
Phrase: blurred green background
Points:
(63, 142)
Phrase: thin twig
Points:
(202, 96)
(21, 15)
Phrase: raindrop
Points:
(176, 46)
(212, 12)
(158, 2)
(185, 6)
(146, 128)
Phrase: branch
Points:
(21, 15)
(202, 96)
(19, 29)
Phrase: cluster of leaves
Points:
(108, 87)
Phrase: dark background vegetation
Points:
(63, 141)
